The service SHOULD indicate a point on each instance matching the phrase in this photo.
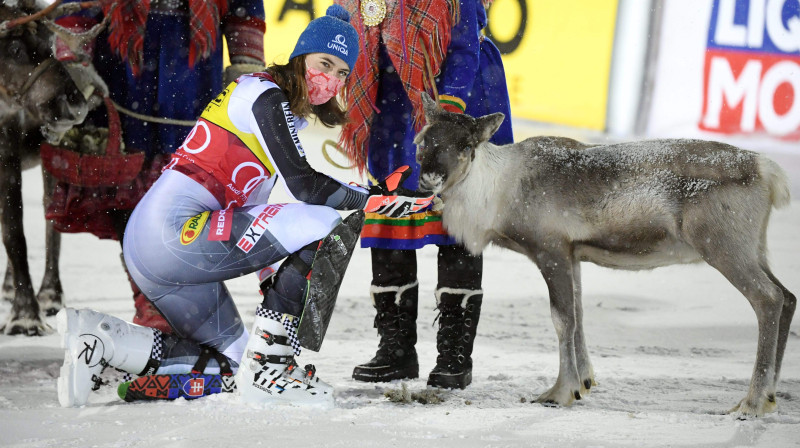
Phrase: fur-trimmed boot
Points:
(95, 340)
(396, 321)
(268, 372)
(459, 311)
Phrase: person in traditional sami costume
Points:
(412, 46)
(162, 62)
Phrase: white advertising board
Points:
(729, 70)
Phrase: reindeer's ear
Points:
(421, 134)
(488, 125)
(430, 107)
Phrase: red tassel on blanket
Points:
(126, 30)
(416, 46)
(128, 19)
(204, 27)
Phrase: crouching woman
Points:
(208, 219)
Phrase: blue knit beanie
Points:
(331, 34)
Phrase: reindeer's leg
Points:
(585, 370)
(8, 282)
(51, 293)
(767, 300)
(789, 305)
(24, 317)
(556, 268)
(728, 229)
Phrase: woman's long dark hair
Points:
(291, 77)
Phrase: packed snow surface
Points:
(673, 350)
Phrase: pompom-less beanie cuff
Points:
(331, 34)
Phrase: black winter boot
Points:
(456, 336)
(396, 321)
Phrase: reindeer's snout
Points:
(62, 112)
(64, 109)
(431, 182)
(71, 107)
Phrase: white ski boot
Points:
(92, 341)
(269, 374)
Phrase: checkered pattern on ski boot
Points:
(289, 324)
(269, 373)
(455, 338)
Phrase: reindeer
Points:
(38, 100)
(633, 206)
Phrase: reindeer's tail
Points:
(777, 181)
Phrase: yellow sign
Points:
(286, 19)
(557, 54)
(558, 71)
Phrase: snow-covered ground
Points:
(672, 349)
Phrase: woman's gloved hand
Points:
(390, 199)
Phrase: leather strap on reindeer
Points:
(17, 94)
(45, 16)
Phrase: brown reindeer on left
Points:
(38, 101)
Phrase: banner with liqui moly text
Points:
(729, 69)
(751, 74)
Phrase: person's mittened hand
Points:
(390, 199)
(241, 65)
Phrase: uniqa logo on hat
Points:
(338, 44)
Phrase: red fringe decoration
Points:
(128, 18)
(204, 27)
(126, 30)
(426, 30)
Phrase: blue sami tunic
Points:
(167, 86)
(472, 74)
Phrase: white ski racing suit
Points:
(207, 219)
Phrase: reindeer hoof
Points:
(747, 409)
(26, 328)
(586, 386)
(559, 396)
(49, 301)
(52, 309)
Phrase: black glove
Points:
(390, 199)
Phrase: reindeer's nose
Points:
(64, 108)
(429, 182)
(71, 106)
(73, 95)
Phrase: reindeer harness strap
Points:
(37, 72)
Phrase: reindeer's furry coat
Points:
(613, 202)
(37, 99)
(634, 205)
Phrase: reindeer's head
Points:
(446, 145)
(31, 79)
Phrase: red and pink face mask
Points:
(321, 87)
